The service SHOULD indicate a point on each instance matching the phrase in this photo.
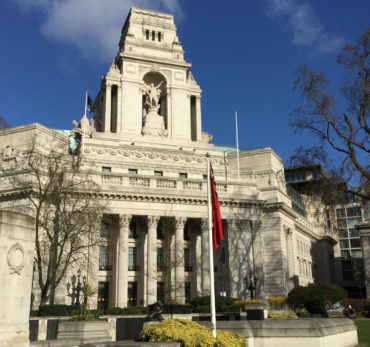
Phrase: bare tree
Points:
(345, 132)
(67, 217)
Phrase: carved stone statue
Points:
(155, 312)
(152, 96)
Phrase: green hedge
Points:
(127, 310)
(61, 310)
(315, 297)
(202, 304)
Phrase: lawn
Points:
(363, 329)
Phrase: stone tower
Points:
(149, 93)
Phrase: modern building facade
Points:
(149, 153)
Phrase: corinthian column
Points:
(151, 271)
(122, 266)
(179, 259)
(206, 280)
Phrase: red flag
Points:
(218, 234)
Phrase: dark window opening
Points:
(132, 265)
(160, 261)
(104, 258)
(132, 234)
(103, 295)
(183, 175)
(106, 169)
(147, 34)
(132, 171)
(153, 35)
(114, 105)
(193, 118)
(160, 291)
(158, 173)
(159, 37)
(187, 292)
(132, 294)
(160, 233)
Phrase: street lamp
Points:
(78, 288)
(251, 283)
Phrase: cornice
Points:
(165, 156)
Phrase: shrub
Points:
(315, 297)
(57, 310)
(206, 301)
(190, 334)
(281, 315)
(276, 303)
(232, 308)
(203, 309)
(127, 310)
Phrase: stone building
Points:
(149, 152)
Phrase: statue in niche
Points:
(153, 123)
(152, 96)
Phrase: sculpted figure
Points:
(152, 95)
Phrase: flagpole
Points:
(211, 266)
(237, 143)
(84, 130)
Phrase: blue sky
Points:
(243, 55)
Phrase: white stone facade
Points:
(149, 154)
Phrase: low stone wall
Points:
(338, 332)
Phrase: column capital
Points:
(152, 221)
(231, 224)
(180, 222)
(204, 223)
(124, 220)
(108, 84)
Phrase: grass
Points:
(363, 329)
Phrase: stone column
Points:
(122, 261)
(108, 101)
(119, 108)
(199, 119)
(151, 282)
(196, 282)
(206, 280)
(364, 229)
(179, 259)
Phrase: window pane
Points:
(132, 294)
(353, 233)
(354, 211)
(106, 169)
(353, 221)
(103, 258)
(355, 243)
(132, 230)
(132, 171)
(183, 175)
(158, 173)
(357, 254)
(341, 213)
(346, 255)
(344, 243)
(160, 259)
(131, 258)
(343, 233)
(342, 223)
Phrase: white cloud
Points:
(300, 20)
(93, 26)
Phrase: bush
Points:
(276, 303)
(206, 301)
(238, 305)
(115, 311)
(281, 315)
(315, 297)
(190, 334)
(57, 310)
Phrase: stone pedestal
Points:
(84, 331)
(17, 246)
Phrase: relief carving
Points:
(16, 259)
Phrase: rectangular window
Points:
(104, 228)
(343, 233)
(159, 37)
(341, 213)
(132, 294)
(132, 259)
(187, 292)
(344, 244)
(158, 173)
(147, 34)
(205, 177)
(352, 222)
(354, 232)
(104, 258)
(183, 175)
(160, 291)
(132, 230)
(160, 260)
(187, 260)
(186, 232)
(354, 211)
(357, 254)
(103, 295)
(346, 254)
(106, 169)
(160, 234)
(355, 243)
(132, 171)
